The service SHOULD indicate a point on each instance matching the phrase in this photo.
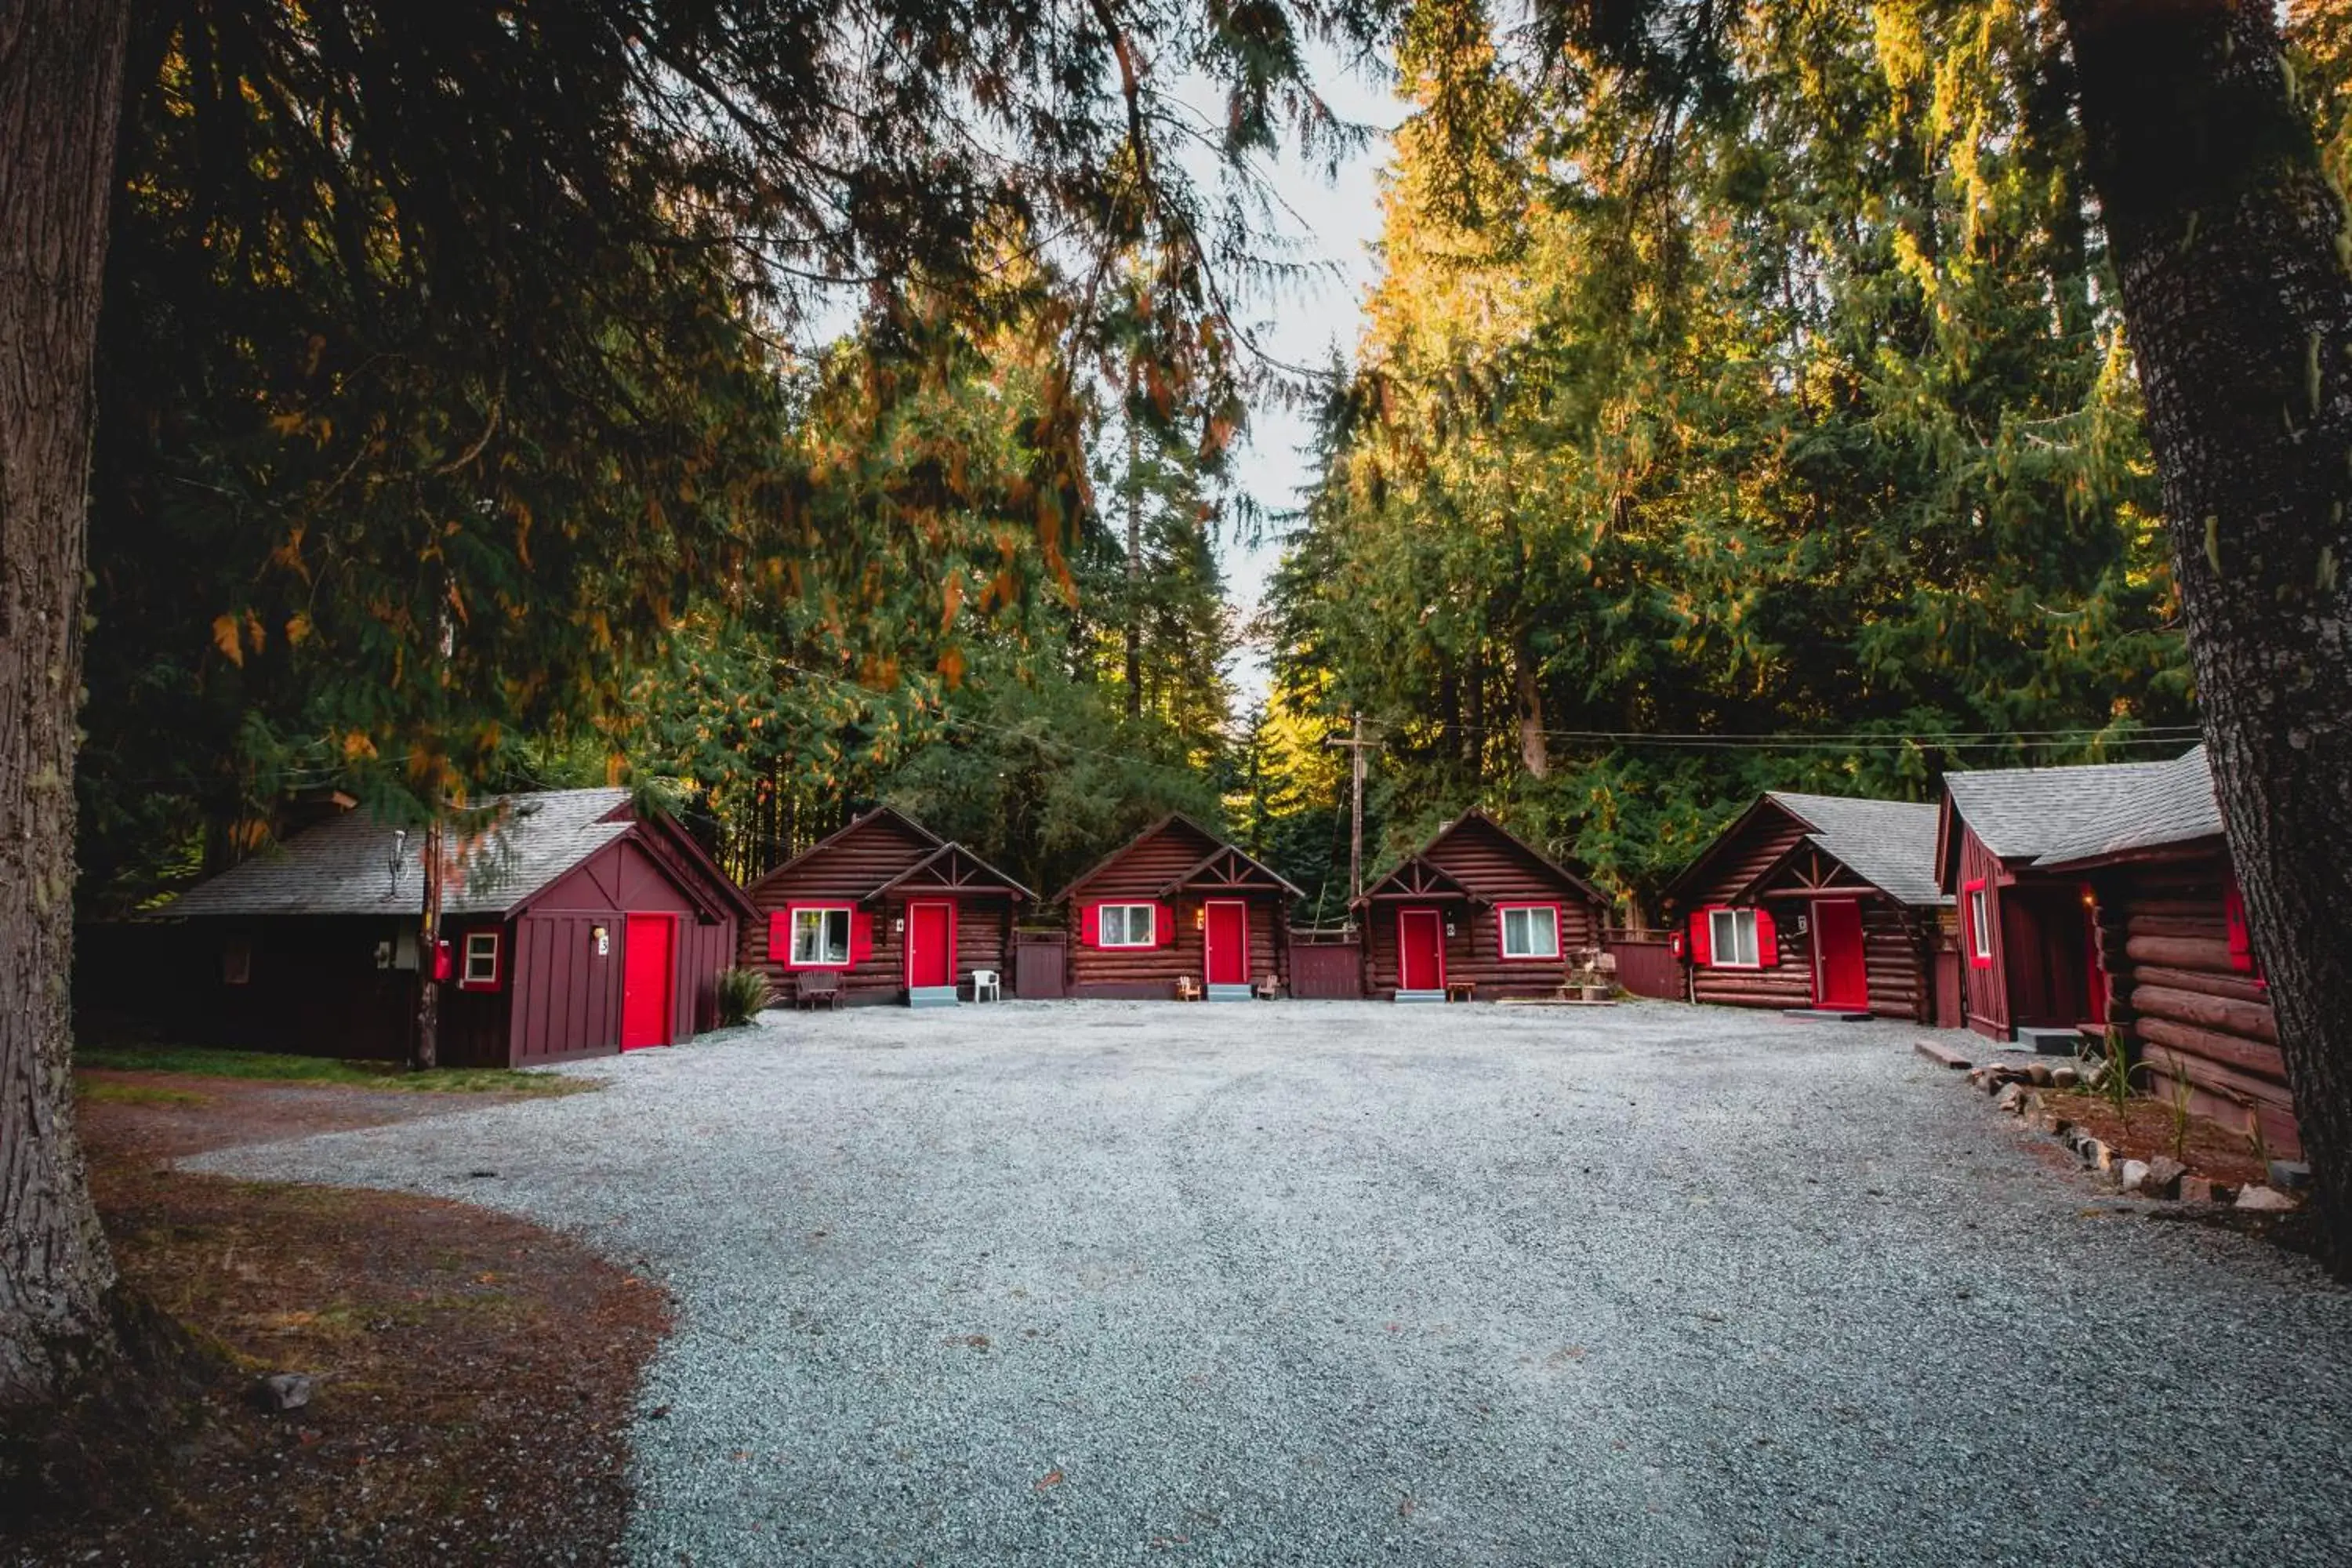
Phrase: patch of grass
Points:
(203, 1062)
(138, 1094)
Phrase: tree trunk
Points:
(1535, 753)
(1134, 670)
(2236, 266)
(424, 1045)
(61, 65)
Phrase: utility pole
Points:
(1356, 748)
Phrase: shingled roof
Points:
(346, 867)
(2061, 816)
(1890, 844)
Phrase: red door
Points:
(1420, 950)
(931, 944)
(1841, 979)
(645, 970)
(1228, 943)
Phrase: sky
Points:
(1337, 222)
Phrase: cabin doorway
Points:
(2048, 957)
(1840, 977)
(646, 966)
(1420, 950)
(1228, 943)
(931, 945)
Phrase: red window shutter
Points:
(1767, 941)
(780, 935)
(1164, 925)
(1702, 944)
(861, 936)
(1089, 925)
(2241, 940)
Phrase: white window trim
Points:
(1715, 959)
(792, 959)
(1126, 924)
(1980, 922)
(480, 944)
(1503, 919)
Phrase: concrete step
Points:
(2051, 1041)
(1826, 1015)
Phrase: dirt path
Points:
(475, 1372)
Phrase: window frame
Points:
(1503, 913)
(1714, 937)
(1150, 925)
(1976, 903)
(466, 952)
(848, 914)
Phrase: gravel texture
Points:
(1333, 1283)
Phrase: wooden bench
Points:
(1461, 991)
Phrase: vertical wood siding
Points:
(1984, 996)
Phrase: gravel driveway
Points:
(1331, 1283)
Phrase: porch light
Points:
(1199, 917)
(602, 938)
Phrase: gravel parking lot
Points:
(1331, 1283)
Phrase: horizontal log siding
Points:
(2166, 947)
(1499, 870)
(844, 870)
(1136, 875)
(1900, 986)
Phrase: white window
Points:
(1732, 934)
(1531, 931)
(1979, 923)
(481, 959)
(1126, 925)
(820, 938)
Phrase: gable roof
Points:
(946, 856)
(1890, 844)
(1243, 860)
(864, 822)
(1478, 814)
(2058, 817)
(354, 864)
(1427, 875)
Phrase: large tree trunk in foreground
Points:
(60, 94)
(2236, 266)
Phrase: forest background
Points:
(1787, 441)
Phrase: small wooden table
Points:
(1461, 990)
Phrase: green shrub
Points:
(741, 993)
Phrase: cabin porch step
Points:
(1229, 994)
(1827, 1014)
(2050, 1042)
(1438, 996)
(931, 997)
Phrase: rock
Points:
(2012, 1099)
(2039, 1073)
(2164, 1177)
(2066, 1078)
(2196, 1190)
(2095, 1154)
(2290, 1175)
(282, 1391)
(2267, 1200)
(2134, 1173)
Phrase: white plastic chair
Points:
(986, 986)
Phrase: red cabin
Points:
(571, 928)
(1819, 902)
(884, 911)
(2104, 894)
(1479, 910)
(1177, 907)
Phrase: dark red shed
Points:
(1176, 903)
(884, 911)
(1481, 909)
(575, 927)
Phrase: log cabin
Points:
(571, 927)
(1177, 907)
(884, 911)
(1816, 902)
(2167, 956)
(1478, 912)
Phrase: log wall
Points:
(1135, 875)
(1498, 869)
(2192, 1018)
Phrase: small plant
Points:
(2115, 1075)
(741, 993)
(2179, 1096)
(2257, 1145)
